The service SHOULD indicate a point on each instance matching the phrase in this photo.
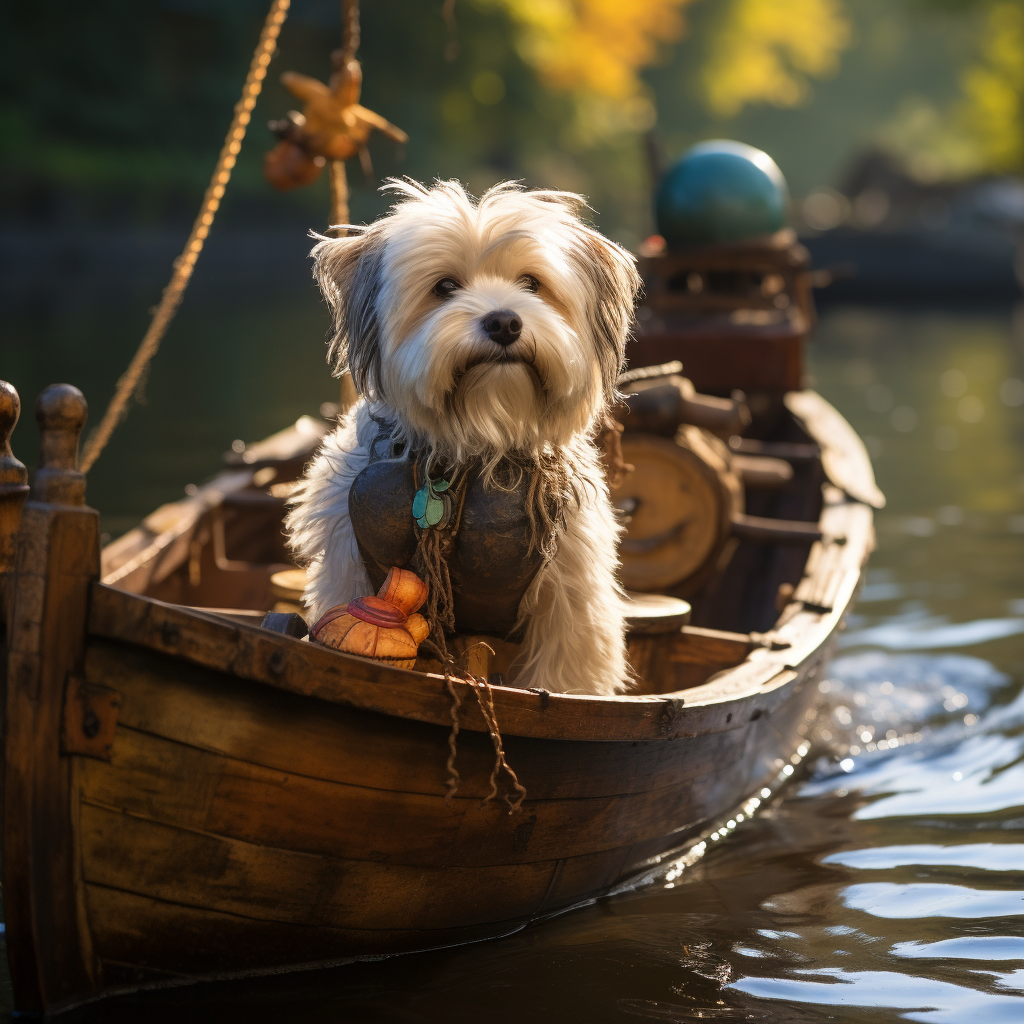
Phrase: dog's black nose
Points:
(503, 326)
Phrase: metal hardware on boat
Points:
(545, 696)
(89, 718)
(289, 623)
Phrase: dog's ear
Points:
(348, 271)
(610, 271)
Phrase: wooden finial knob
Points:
(10, 410)
(60, 412)
(13, 477)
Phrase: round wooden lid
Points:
(656, 613)
(288, 584)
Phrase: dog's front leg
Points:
(319, 528)
(574, 612)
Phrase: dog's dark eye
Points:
(529, 282)
(446, 287)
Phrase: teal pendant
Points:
(431, 506)
(434, 512)
(419, 503)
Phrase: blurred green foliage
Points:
(112, 112)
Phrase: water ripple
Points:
(966, 947)
(983, 856)
(927, 999)
(932, 633)
(932, 899)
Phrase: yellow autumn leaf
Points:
(993, 106)
(595, 47)
(764, 51)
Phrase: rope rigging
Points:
(132, 379)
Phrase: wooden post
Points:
(13, 487)
(48, 944)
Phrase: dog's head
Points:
(488, 326)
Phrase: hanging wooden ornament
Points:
(332, 126)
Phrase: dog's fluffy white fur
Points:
(421, 358)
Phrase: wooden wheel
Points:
(680, 501)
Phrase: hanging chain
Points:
(338, 177)
(349, 28)
(133, 377)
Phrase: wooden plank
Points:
(196, 790)
(152, 935)
(294, 734)
(579, 878)
(159, 544)
(51, 962)
(200, 870)
(696, 645)
(718, 358)
(306, 668)
(844, 457)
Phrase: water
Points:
(888, 881)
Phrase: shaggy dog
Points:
(484, 331)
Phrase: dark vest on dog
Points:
(491, 565)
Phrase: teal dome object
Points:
(720, 191)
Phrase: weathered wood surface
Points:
(220, 713)
(249, 801)
(138, 949)
(178, 832)
(201, 791)
(159, 546)
(844, 458)
(13, 484)
(299, 667)
(49, 943)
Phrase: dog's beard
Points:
(497, 406)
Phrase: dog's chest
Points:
(492, 562)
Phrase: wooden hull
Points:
(232, 800)
(318, 833)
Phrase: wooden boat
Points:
(189, 795)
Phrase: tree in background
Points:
(760, 51)
(114, 110)
(765, 51)
(981, 129)
(991, 113)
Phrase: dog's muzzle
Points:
(503, 327)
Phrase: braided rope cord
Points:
(132, 379)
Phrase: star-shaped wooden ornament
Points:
(333, 125)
